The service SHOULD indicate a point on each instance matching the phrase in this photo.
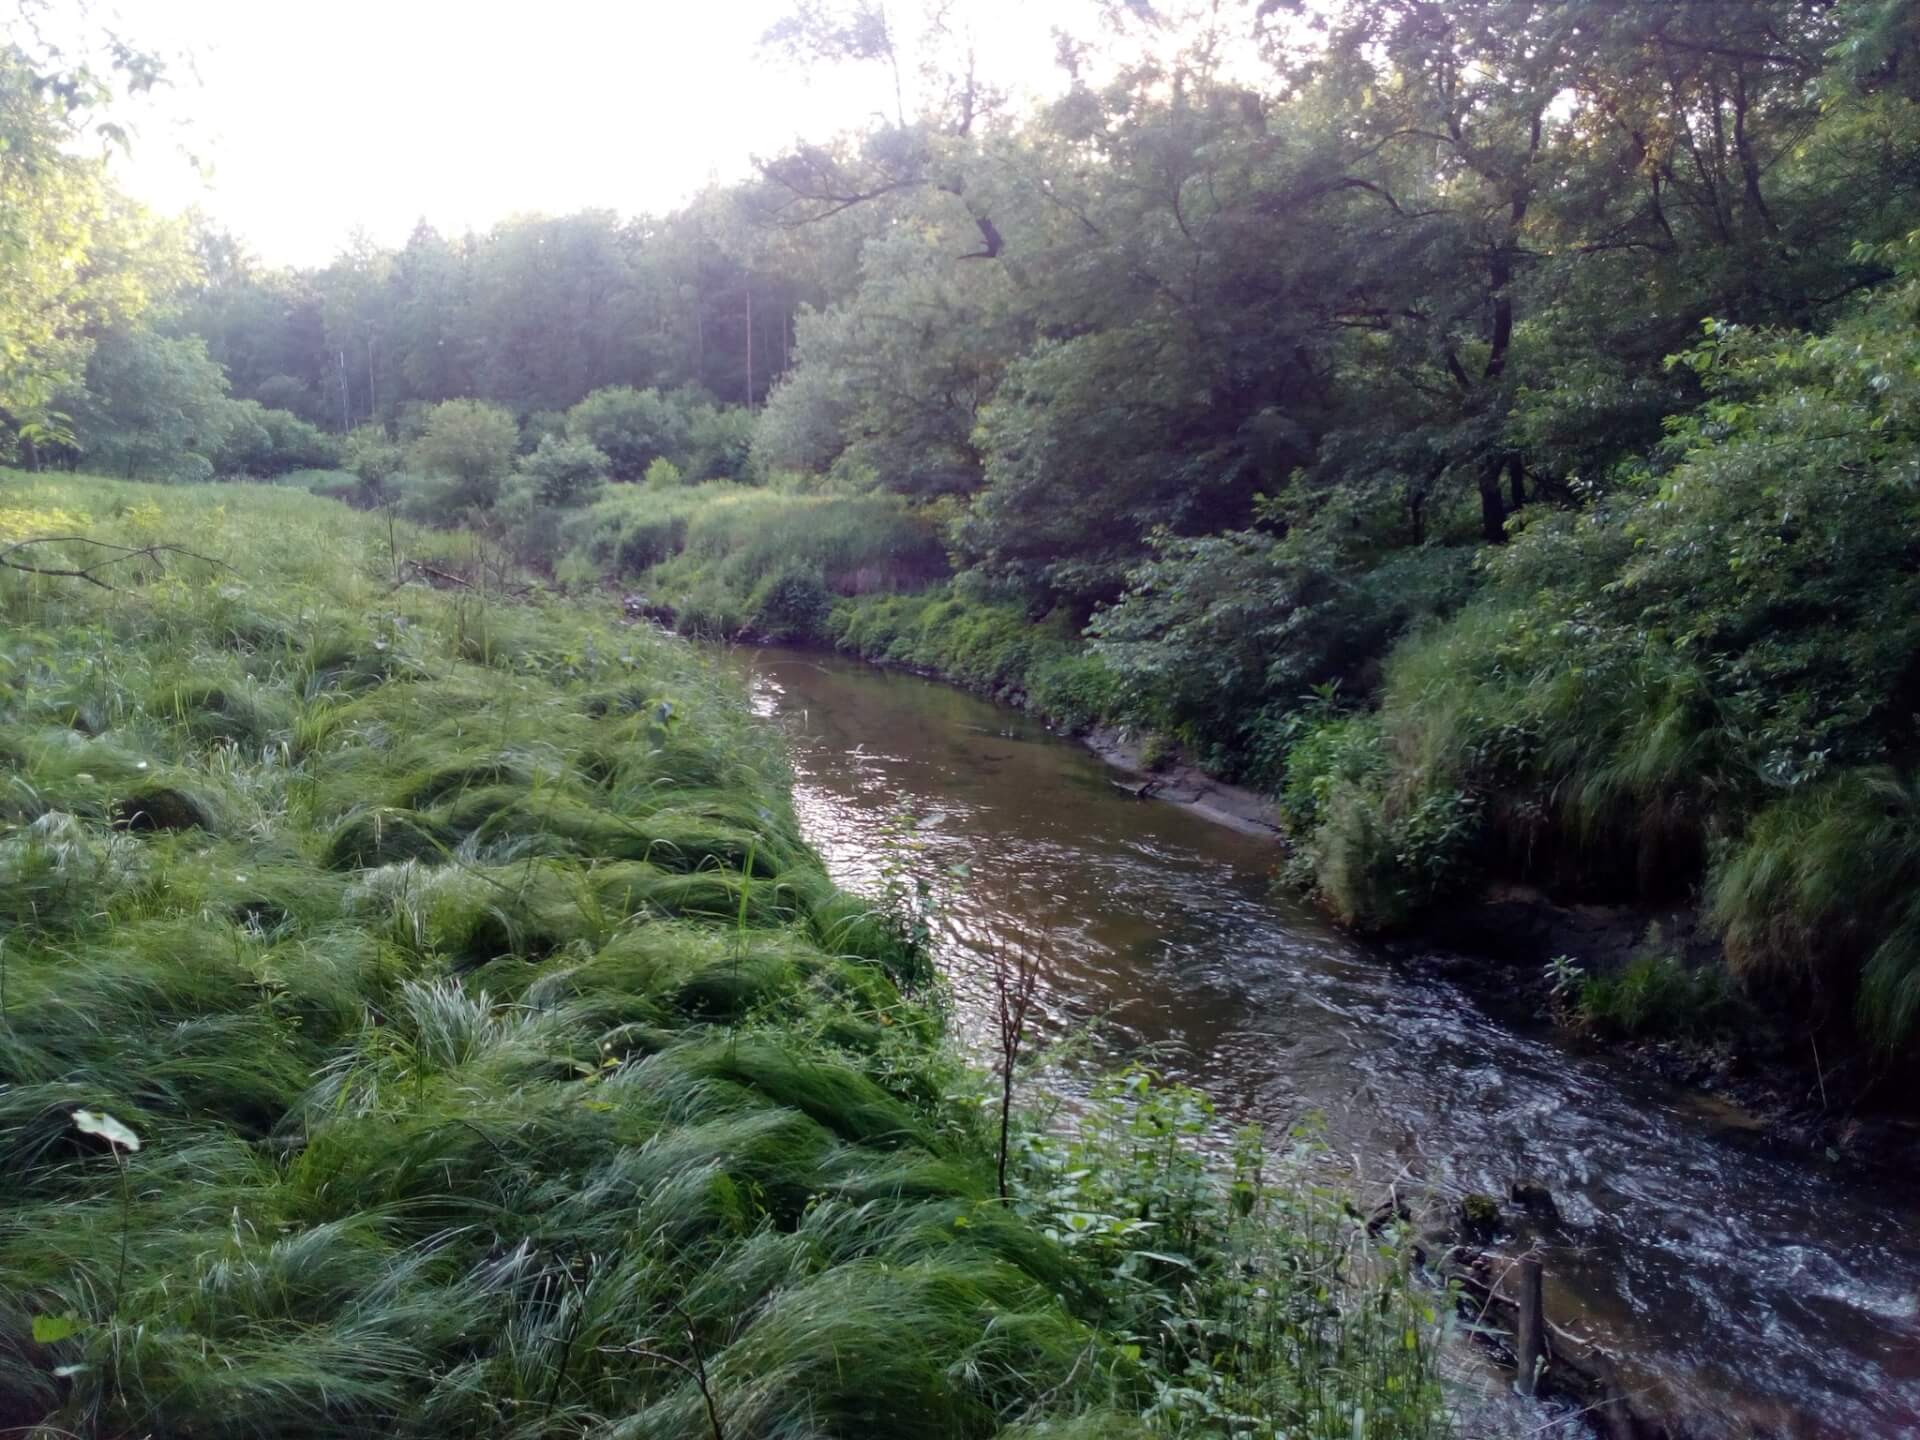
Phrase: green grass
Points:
(1824, 887)
(993, 647)
(503, 1062)
(771, 563)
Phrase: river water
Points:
(1763, 1292)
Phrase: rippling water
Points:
(1731, 1282)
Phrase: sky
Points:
(313, 120)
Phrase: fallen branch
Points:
(446, 575)
(89, 573)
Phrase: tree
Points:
(470, 443)
(564, 473)
(632, 428)
(75, 257)
(153, 408)
(892, 382)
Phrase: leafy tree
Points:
(370, 454)
(632, 428)
(75, 257)
(564, 473)
(470, 443)
(153, 408)
(295, 397)
(891, 382)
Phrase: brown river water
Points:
(1761, 1293)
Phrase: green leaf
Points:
(51, 1329)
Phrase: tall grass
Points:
(990, 646)
(772, 563)
(1825, 886)
(501, 1059)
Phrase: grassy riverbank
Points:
(419, 1014)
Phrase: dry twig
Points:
(120, 555)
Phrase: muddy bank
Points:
(1168, 778)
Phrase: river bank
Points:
(1734, 1280)
(1829, 1104)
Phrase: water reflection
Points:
(1763, 1292)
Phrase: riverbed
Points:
(1766, 1294)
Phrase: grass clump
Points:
(771, 563)
(988, 645)
(500, 1061)
(1824, 890)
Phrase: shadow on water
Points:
(1732, 1283)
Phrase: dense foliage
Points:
(1481, 424)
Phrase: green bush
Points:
(563, 473)
(1655, 995)
(1217, 639)
(629, 530)
(632, 428)
(266, 443)
(987, 645)
(470, 445)
(662, 474)
(737, 541)
(1073, 692)
(792, 606)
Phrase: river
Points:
(1734, 1283)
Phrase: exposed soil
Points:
(1178, 783)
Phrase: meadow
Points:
(421, 1015)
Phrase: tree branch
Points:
(90, 573)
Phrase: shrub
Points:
(1824, 888)
(630, 427)
(630, 530)
(369, 454)
(1073, 691)
(736, 540)
(1218, 638)
(564, 473)
(265, 443)
(470, 444)
(791, 605)
(1655, 994)
(720, 443)
(662, 474)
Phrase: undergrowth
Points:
(420, 1015)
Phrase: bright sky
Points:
(317, 118)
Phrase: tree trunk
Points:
(1493, 505)
(1517, 480)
